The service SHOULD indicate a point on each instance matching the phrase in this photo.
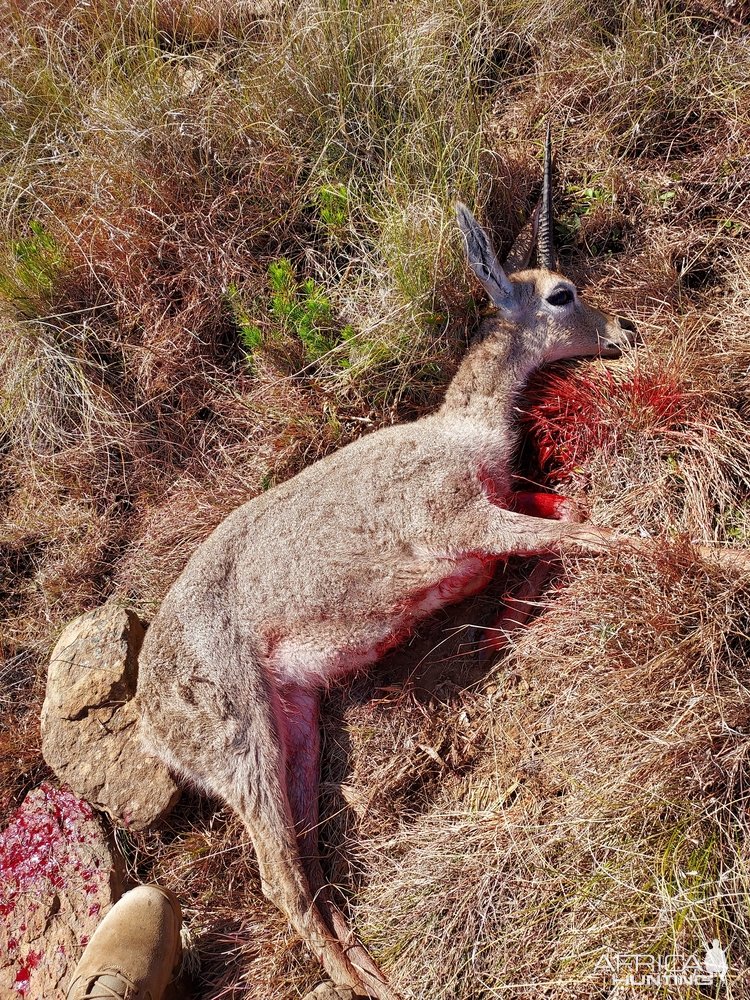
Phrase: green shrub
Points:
(251, 336)
(333, 205)
(302, 309)
(31, 267)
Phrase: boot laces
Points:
(119, 986)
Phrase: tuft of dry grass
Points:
(227, 247)
(603, 812)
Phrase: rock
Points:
(90, 720)
(57, 880)
(95, 662)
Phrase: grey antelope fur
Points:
(316, 578)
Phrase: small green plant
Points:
(303, 309)
(733, 227)
(333, 204)
(674, 467)
(588, 196)
(250, 334)
(32, 267)
(735, 521)
(585, 199)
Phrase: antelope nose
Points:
(619, 334)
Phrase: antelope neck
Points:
(485, 389)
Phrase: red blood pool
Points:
(21, 982)
(571, 415)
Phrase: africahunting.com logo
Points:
(632, 969)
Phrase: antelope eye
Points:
(562, 297)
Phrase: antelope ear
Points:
(482, 259)
(523, 246)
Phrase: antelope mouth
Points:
(610, 350)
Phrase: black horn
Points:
(545, 247)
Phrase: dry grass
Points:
(499, 831)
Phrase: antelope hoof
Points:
(570, 512)
(737, 560)
(327, 991)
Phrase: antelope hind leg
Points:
(228, 737)
(252, 779)
(517, 612)
(302, 740)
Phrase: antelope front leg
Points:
(511, 533)
(503, 533)
(591, 538)
(518, 607)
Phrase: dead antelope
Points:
(318, 577)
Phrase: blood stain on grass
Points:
(570, 416)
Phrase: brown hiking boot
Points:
(134, 952)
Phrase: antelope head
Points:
(540, 309)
